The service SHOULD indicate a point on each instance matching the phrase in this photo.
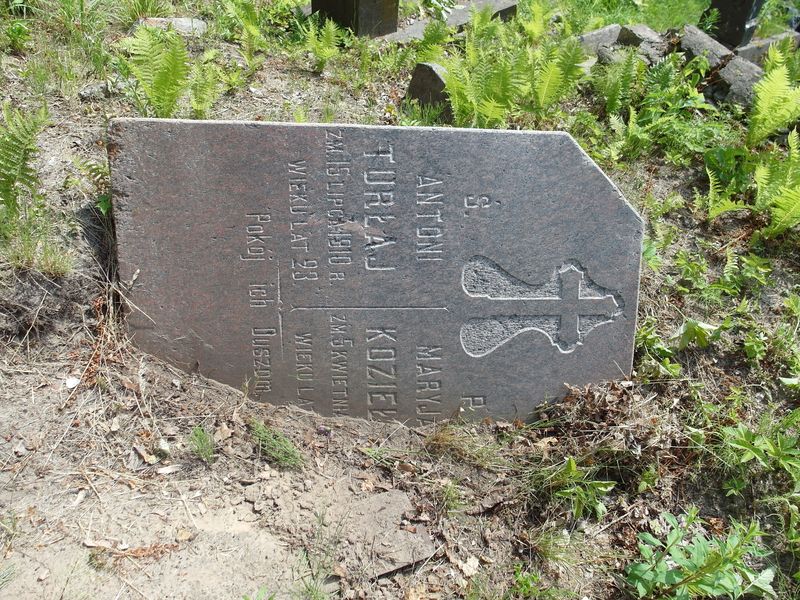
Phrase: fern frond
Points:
(777, 104)
(763, 178)
(160, 63)
(570, 56)
(548, 85)
(785, 211)
(18, 150)
(718, 201)
(206, 85)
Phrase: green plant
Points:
(777, 101)
(17, 36)
(247, 28)
(98, 173)
(18, 150)
(582, 493)
(261, 594)
(656, 361)
(322, 42)
(206, 84)
(201, 443)
(131, 11)
(159, 62)
(275, 447)
(687, 565)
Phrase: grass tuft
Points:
(275, 447)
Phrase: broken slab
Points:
(380, 538)
(458, 18)
(696, 42)
(605, 36)
(371, 18)
(651, 46)
(394, 273)
(756, 51)
(738, 80)
(428, 88)
(182, 25)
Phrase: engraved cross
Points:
(555, 309)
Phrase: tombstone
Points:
(458, 18)
(428, 87)
(737, 22)
(365, 17)
(394, 273)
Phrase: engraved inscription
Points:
(337, 174)
(261, 349)
(304, 367)
(430, 218)
(299, 228)
(341, 342)
(380, 181)
(258, 240)
(429, 365)
(565, 309)
(382, 389)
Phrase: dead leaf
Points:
(222, 433)
(470, 567)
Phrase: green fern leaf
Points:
(18, 150)
(777, 104)
(548, 85)
(785, 211)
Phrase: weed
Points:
(247, 31)
(322, 42)
(579, 490)
(687, 565)
(131, 11)
(777, 101)
(275, 447)
(6, 575)
(17, 35)
(461, 443)
(201, 443)
(261, 594)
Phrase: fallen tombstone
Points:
(695, 42)
(737, 21)
(458, 18)
(365, 17)
(649, 43)
(605, 36)
(738, 79)
(183, 25)
(383, 272)
(427, 87)
(756, 51)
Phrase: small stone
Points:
(605, 36)
(307, 485)
(181, 25)
(42, 574)
(72, 382)
(607, 55)
(428, 88)
(162, 449)
(252, 493)
(20, 449)
(695, 42)
(739, 78)
(185, 535)
(586, 66)
(94, 92)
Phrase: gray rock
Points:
(651, 46)
(695, 42)
(365, 17)
(635, 35)
(458, 18)
(738, 80)
(756, 51)
(737, 22)
(606, 36)
(607, 55)
(586, 66)
(428, 88)
(94, 92)
(186, 26)
(387, 272)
